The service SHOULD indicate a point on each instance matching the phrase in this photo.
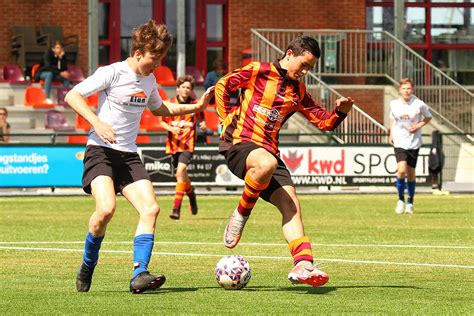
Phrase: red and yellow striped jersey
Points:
(267, 100)
(185, 140)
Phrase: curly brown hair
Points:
(152, 38)
(186, 78)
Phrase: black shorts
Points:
(123, 167)
(183, 157)
(236, 158)
(408, 155)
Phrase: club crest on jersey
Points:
(138, 99)
(272, 115)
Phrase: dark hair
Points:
(5, 110)
(152, 38)
(183, 79)
(302, 44)
(218, 64)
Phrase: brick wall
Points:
(71, 15)
(370, 100)
(309, 14)
(243, 15)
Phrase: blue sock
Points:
(400, 183)
(91, 250)
(411, 191)
(142, 247)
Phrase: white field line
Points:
(251, 257)
(240, 244)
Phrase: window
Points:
(215, 13)
(450, 42)
(104, 20)
(132, 13)
(190, 25)
(451, 25)
(415, 24)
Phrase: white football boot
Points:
(400, 209)
(409, 209)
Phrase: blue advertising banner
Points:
(30, 166)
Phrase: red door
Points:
(211, 33)
(109, 31)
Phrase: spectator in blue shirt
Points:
(213, 76)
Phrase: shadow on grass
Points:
(164, 290)
(192, 219)
(442, 212)
(327, 289)
(160, 290)
(296, 289)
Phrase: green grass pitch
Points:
(379, 262)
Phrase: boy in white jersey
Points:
(408, 116)
(111, 163)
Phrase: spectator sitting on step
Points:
(4, 126)
(53, 68)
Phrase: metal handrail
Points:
(326, 96)
(362, 53)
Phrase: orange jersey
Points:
(185, 140)
(267, 100)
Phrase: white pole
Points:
(93, 37)
(399, 23)
(181, 38)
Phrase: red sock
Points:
(250, 195)
(178, 196)
(301, 250)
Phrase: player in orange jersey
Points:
(180, 143)
(272, 92)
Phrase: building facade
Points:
(440, 31)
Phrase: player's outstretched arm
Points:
(79, 105)
(171, 109)
(320, 117)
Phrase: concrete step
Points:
(17, 123)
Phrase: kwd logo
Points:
(292, 161)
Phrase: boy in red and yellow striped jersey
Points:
(180, 143)
(271, 93)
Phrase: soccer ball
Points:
(233, 272)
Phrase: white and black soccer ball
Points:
(232, 272)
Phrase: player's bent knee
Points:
(267, 164)
(105, 214)
(150, 211)
(105, 209)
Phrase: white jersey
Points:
(405, 115)
(123, 96)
